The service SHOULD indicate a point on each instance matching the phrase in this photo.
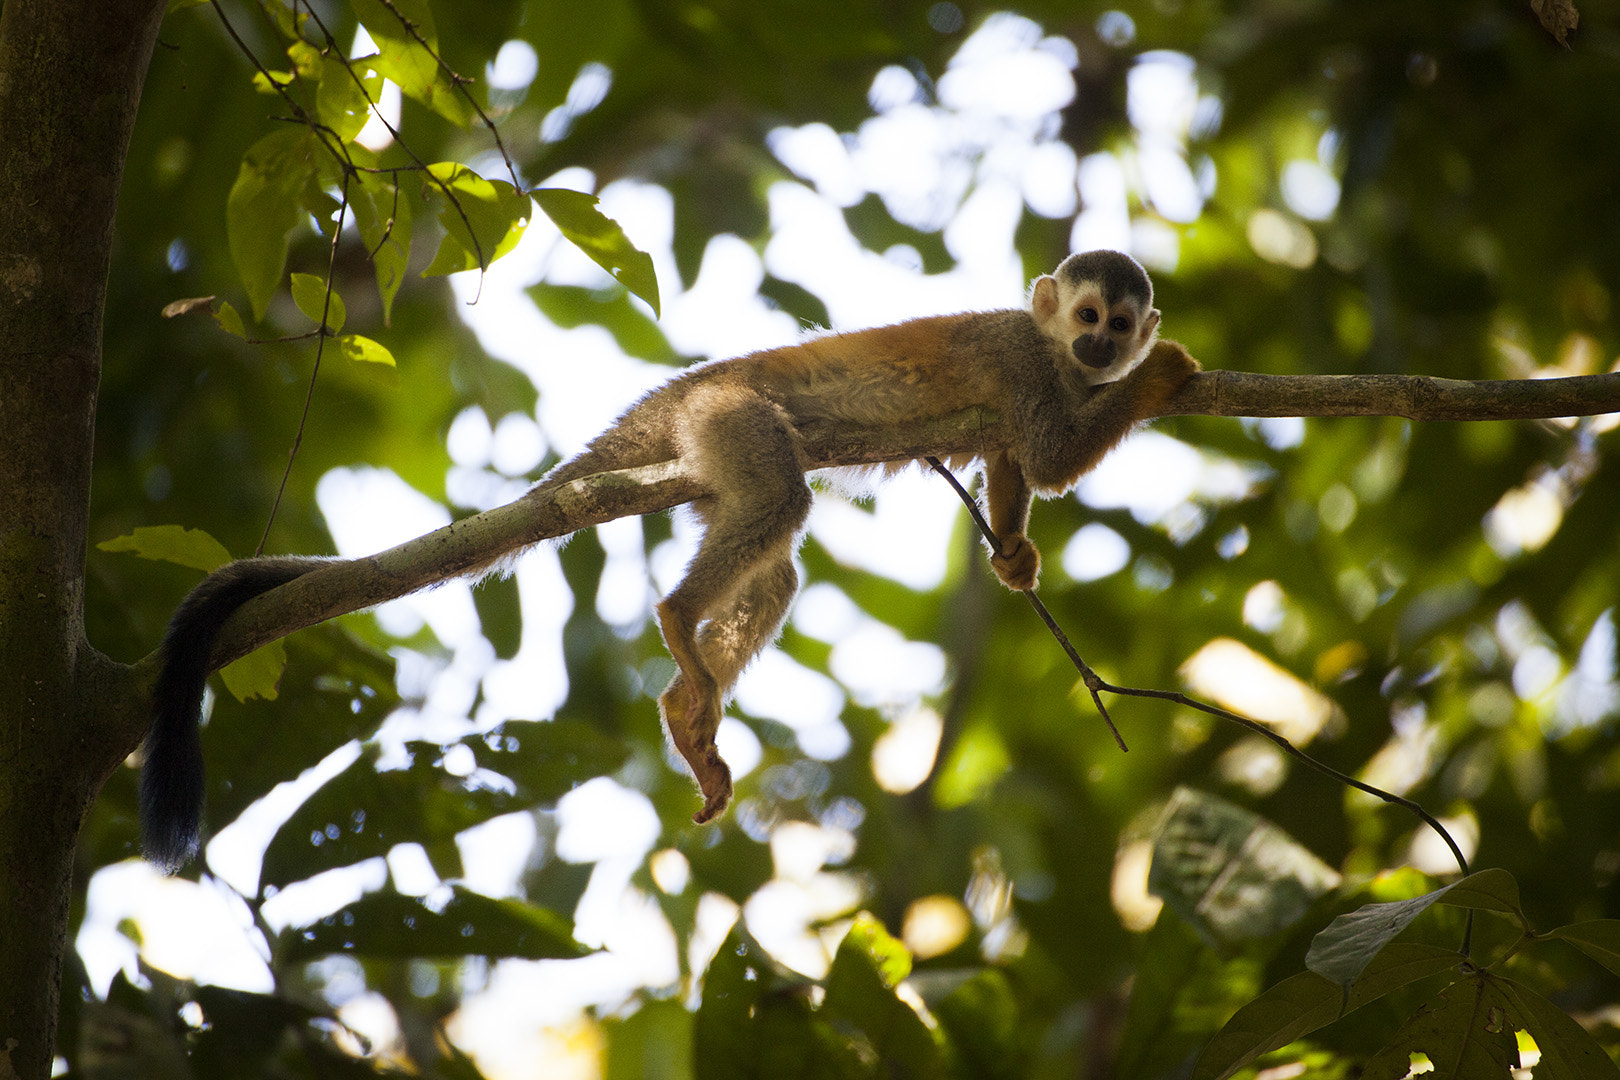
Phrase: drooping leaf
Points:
(575, 213)
(1597, 938)
(310, 294)
(1493, 889)
(387, 924)
(1305, 1002)
(172, 543)
(263, 207)
(384, 218)
(482, 222)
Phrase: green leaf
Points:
(981, 1017)
(1597, 938)
(570, 305)
(1468, 1033)
(1488, 890)
(889, 956)
(309, 293)
(869, 964)
(1305, 1002)
(172, 543)
(1568, 1051)
(1230, 873)
(256, 675)
(335, 689)
(364, 350)
(264, 206)
(344, 98)
(408, 55)
(384, 219)
(652, 1043)
(1340, 952)
(496, 212)
(575, 213)
(229, 320)
(386, 924)
(500, 614)
(362, 813)
(723, 1036)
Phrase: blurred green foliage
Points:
(1476, 235)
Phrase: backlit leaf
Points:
(575, 213)
(263, 207)
(310, 294)
(482, 222)
(172, 543)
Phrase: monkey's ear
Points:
(1151, 321)
(1044, 300)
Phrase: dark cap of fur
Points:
(1119, 276)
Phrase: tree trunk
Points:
(70, 80)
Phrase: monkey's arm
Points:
(1007, 498)
(1110, 414)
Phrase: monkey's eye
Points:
(1088, 315)
(1119, 323)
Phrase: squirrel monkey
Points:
(1071, 376)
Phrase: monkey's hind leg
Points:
(726, 644)
(741, 580)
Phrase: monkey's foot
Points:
(713, 777)
(1017, 564)
(691, 722)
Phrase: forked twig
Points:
(1096, 684)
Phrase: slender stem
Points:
(320, 349)
(1096, 685)
(1089, 677)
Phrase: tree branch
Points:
(477, 542)
(1416, 397)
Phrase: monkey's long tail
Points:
(172, 776)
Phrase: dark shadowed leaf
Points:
(388, 924)
(1230, 873)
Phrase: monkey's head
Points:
(1099, 306)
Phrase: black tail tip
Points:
(171, 819)
(170, 852)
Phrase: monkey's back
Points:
(896, 374)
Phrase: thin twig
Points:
(1093, 682)
(1096, 685)
(320, 348)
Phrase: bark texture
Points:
(70, 80)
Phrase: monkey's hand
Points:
(1017, 563)
(1167, 366)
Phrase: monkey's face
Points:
(1105, 337)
